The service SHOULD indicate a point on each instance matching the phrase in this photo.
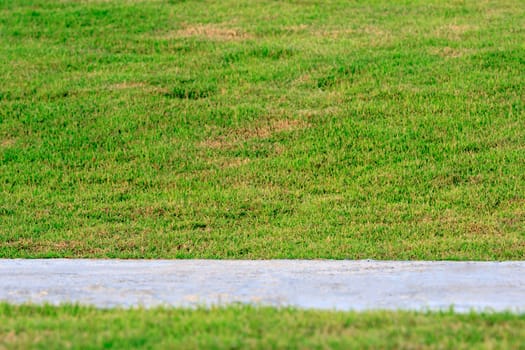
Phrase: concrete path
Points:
(323, 284)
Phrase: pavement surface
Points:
(319, 284)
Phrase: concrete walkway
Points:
(324, 284)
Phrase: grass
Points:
(262, 129)
(245, 327)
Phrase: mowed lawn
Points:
(245, 327)
(262, 129)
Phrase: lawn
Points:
(262, 129)
(244, 327)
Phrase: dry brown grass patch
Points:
(10, 337)
(233, 162)
(228, 162)
(273, 127)
(287, 125)
(128, 85)
(39, 247)
(335, 33)
(310, 113)
(454, 31)
(211, 31)
(7, 142)
(449, 52)
(142, 86)
(479, 229)
(218, 143)
(296, 28)
(236, 136)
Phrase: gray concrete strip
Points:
(321, 284)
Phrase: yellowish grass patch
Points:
(258, 132)
(454, 31)
(450, 52)
(7, 142)
(128, 85)
(209, 31)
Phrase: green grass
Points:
(262, 129)
(244, 327)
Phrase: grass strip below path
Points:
(247, 327)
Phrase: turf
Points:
(245, 327)
(262, 129)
